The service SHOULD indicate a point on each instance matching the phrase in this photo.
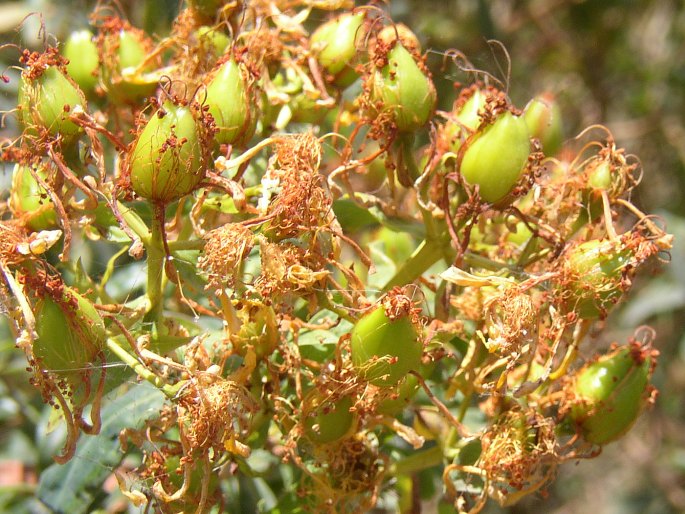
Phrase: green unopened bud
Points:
(496, 157)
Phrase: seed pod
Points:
(335, 45)
(84, 61)
(610, 392)
(232, 99)
(167, 159)
(592, 276)
(326, 421)
(406, 390)
(212, 40)
(543, 118)
(496, 157)
(465, 119)
(29, 201)
(402, 89)
(47, 96)
(258, 328)
(385, 343)
(70, 334)
(125, 58)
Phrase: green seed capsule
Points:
(70, 333)
(326, 422)
(403, 90)
(212, 40)
(30, 201)
(124, 56)
(83, 59)
(592, 276)
(335, 45)
(463, 122)
(385, 350)
(610, 393)
(232, 101)
(496, 157)
(543, 118)
(48, 99)
(166, 161)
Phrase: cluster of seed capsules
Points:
(267, 159)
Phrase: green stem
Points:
(417, 461)
(189, 244)
(134, 222)
(428, 253)
(144, 373)
(155, 267)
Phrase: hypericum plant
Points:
(341, 281)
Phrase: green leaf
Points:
(71, 488)
(352, 216)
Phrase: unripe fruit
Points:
(406, 390)
(463, 121)
(385, 349)
(610, 393)
(30, 201)
(123, 50)
(166, 161)
(70, 334)
(258, 328)
(326, 422)
(543, 118)
(403, 90)
(212, 40)
(232, 101)
(592, 276)
(599, 175)
(496, 157)
(84, 61)
(47, 99)
(335, 46)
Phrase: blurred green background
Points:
(616, 62)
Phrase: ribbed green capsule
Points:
(70, 334)
(232, 100)
(592, 276)
(47, 101)
(543, 118)
(125, 61)
(29, 201)
(335, 45)
(84, 61)
(496, 157)
(166, 161)
(403, 90)
(610, 393)
(326, 422)
(384, 350)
